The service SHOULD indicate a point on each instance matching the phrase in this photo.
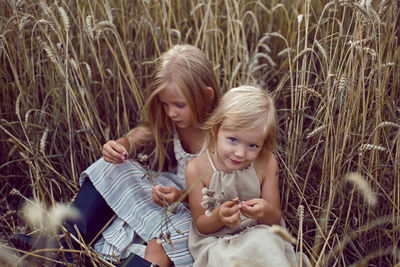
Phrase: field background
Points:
(72, 74)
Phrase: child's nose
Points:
(239, 152)
(172, 112)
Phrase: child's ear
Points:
(210, 92)
(214, 131)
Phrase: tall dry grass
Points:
(73, 72)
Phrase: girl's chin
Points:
(181, 125)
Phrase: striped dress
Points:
(139, 219)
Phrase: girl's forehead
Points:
(256, 135)
(171, 91)
(243, 130)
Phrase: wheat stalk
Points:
(285, 52)
(89, 27)
(102, 26)
(108, 11)
(387, 124)
(17, 106)
(368, 147)
(362, 186)
(88, 70)
(49, 51)
(64, 18)
(316, 131)
(58, 213)
(300, 214)
(43, 140)
(283, 233)
(321, 49)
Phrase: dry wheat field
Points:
(72, 75)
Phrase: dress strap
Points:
(211, 162)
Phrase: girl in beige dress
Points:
(234, 187)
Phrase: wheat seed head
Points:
(362, 186)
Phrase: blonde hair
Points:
(186, 68)
(243, 108)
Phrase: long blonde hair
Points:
(243, 108)
(186, 68)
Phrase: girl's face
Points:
(237, 149)
(176, 107)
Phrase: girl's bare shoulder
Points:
(198, 166)
(266, 166)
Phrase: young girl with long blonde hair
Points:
(183, 92)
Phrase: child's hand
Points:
(229, 213)
(168, 194)
(253, 208)
(114, 152)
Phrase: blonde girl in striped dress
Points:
(183, 92)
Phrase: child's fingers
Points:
(114, 152)
(251, 202)
(120, 149)
(157, 192)
(156, 196)
(162, 197)
(170, 194)
(252, 209)
(166, 189)
(109, 158)
(232, 220)
(229, 208)
(229, 204)
(246, 211)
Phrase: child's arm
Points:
(267, 208)
(226, 214)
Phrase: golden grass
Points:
(73, 72)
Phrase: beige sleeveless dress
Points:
(251, 243)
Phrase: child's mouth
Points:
(235, 162)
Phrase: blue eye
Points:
(181, 105)
(253, 146)
(232, 140)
